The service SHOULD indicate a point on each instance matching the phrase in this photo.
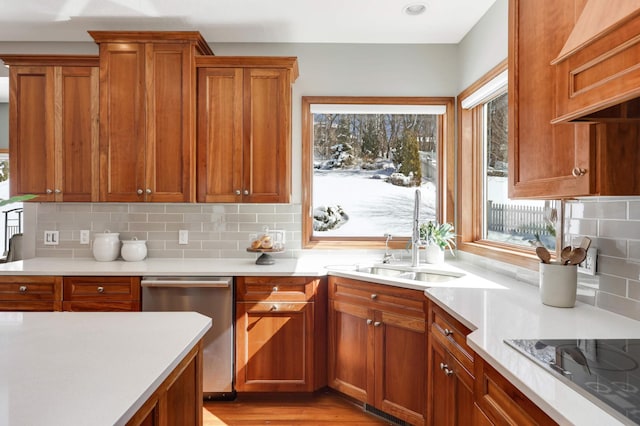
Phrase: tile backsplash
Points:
(613, 224)
(215, 230)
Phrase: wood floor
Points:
(324, 409)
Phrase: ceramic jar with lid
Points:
(134, 250)
(106, 246)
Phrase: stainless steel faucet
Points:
(415, 237)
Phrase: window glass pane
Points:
(508, 221)
(367, 167)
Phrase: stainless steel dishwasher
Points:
(210, 296)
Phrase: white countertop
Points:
(495, 306)
(76, 368)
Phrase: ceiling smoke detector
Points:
(414, 9)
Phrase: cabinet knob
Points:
(100, 289)
(57, 191)
(377, 324)
(22, 289)
(444, 367)
(274, 307)
(369, 321)
(448, 332)
(246, 192)
(48, 191)
(238, 192)
(148, 191)
(374, 296)
(139, 191)
(275, 288)
(577, 172)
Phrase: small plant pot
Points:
(433, 254)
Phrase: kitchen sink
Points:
(429, 276)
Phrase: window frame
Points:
(446, 174)
(470, 182)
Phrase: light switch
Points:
(183, 236)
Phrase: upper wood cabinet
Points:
(598, 78)
(244, 129)
(53, 126)
(147, 115)
(565, 159)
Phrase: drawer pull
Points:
(448, 332)
(274, 307)
(23, 289)
(444, 367)
(377, 324)
(374, 296)
(100, 289)
(275, 288)
(369, 321)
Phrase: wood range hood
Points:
(598, 69)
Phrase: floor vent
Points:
(394, 420)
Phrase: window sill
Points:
(513, 255)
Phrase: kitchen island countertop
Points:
(77, 368)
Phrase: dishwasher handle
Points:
(186, 283)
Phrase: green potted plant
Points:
(437, 237)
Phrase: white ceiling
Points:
(228, 21)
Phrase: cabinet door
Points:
(76, 133)
(267, 136)
(274, 343)
(542, 156)
(451, 389)
(170, 123)
(401, 366)
(31, 131)
(219, 141)
(122, 122)
(351, 361)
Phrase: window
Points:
(362, 162)
(490, 222)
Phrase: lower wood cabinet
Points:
(451, 380)
(377, 346)
(500, 402)
(101, 294)
(30, 293)
(280, 334)
(178, 400)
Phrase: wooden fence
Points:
(516, 219)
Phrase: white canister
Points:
(134, 250)
(558, 284)
(106, 246)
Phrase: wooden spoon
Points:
(577, 256)
(586, 242)
(543, 254)
(565, 254)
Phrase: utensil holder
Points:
(558, 284)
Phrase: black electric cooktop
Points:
(604, 370)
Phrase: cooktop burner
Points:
(606, 371)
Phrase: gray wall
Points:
(485, 46)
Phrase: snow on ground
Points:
(374, 206)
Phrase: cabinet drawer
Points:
(30, 288)
(378, 296)
(452, 334)
(101, 288)
(293, 289)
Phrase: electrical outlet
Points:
(51, 238)
(588, 266)
(84, 236)
(183, 236)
